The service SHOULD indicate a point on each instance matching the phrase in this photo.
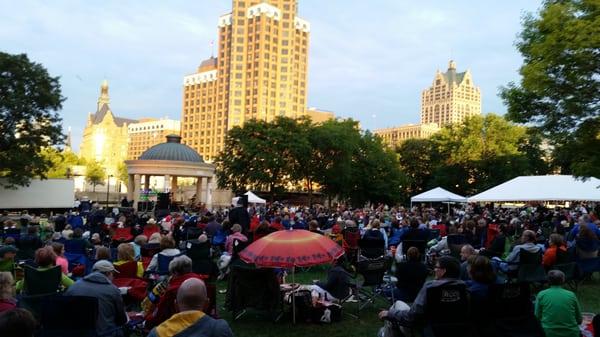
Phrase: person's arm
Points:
(512, 257)
(538, 307)
(578, 316)
(66, 281)
(408, 317)
(153, 263)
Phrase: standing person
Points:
(191, 320)
(240, 214)
(111, 310)
(558, 309)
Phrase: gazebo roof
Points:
(172, 150)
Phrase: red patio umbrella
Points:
(290, 249)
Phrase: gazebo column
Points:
(208, 198)
(174, 187)
(130, 187)
(167, 185)
(199, 189)
(147, 181)
(136, 189)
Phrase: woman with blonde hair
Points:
(126, 254)
(7, 292)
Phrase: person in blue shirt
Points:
(584, 220)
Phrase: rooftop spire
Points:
(103, 99)
(451, 65)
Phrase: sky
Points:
(368, 60)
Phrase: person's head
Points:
(414, 223)
(586, 233)
(556, 278)
(375, 224)
(167, 242)
(45, 257)
(413, 254)
(466, 251)
(203, 238)
(17, 323)
(180, 265)
(58, 248)
(106, 268)
(236, 228)
(528, 236)
(77, 233)
(125, 252)
(264, 225)
(7, 286)
(313, 225)
(155, 238)
(8, 253)
(191, 295)
(584, 219)
(447, 267)
(556, 240)
(102, 253)
(480, 269)
(141, 240)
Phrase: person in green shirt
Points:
(45, 258)
(7, 258)
(558, 309)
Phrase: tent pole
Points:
(293, 294)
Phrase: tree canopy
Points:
(29, 101)
(94, 174)
(559, 90)
(61, 162)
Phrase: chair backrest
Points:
(69, 316)
(122, 234)
(197, 250)
(163, 263)
(527, 257)
(127, 270)
(42, 282)
(530, 267)
(447, 311)
(238, 246)
(373, 270)
(510, 300)
(150, 249)
(434, 234)
(192, 232)
(456, 239)
(371, 248)
(76, 260)
(563, 256)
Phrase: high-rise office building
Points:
(260, 72)
(451, 98)
(147, 133)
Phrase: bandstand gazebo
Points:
(170, 160)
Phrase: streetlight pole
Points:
(107, 189)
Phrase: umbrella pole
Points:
(293, 294)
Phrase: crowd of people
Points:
(146, 274)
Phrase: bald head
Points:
(191, 295)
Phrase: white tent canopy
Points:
(438, 194)
(252, 199)
(542, 188)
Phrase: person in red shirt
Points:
(276, 224)
(556, 243)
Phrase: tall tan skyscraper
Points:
(260, 72)
(451, 98)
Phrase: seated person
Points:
(29, 243)
(558, 309)
(190, 319)
(77, 244)
(261, 230)
(414, 232)
(17, 323)
(556, 243)
(481, 275)
(45, 259)
(528, 243)
(160, 303)
(7, 292)
(313, 226)
(447, 271)
(411, 275)
(7, 258)
(236, 234)
(465, 253)
(102, 253)
(498, 244)
(337, 286)
(167, 248)
(587, 243)
(125, 253)
(59, 250)
(138, 243)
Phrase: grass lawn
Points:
(255, 324)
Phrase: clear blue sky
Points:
(369, 60)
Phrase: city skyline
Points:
(368, 62)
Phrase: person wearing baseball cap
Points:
(111, 309)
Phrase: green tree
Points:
(376, 175)
(481, 153)
(61, 162)
(559, 91)
(29, 101)
(94, 174)
(333, 144)
(417, 163)
(122, 174)
(262, 154)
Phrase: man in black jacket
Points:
(240, 214)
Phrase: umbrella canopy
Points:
(292, 248)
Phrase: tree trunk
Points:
(310, 193)
(94, 188)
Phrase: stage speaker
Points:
(164, 200)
